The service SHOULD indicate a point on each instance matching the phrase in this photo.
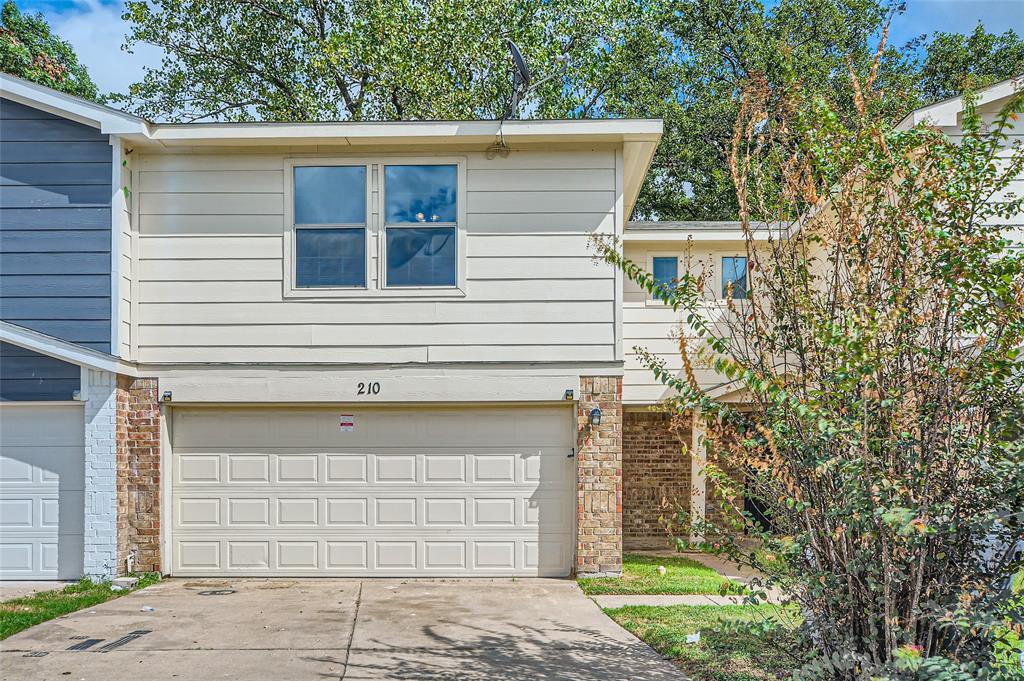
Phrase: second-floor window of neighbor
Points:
(420, 225)
(330, 226)
(666, 271)
(734, 270)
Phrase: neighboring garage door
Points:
(399, 492)
(42, 499)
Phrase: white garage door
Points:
(382, 492)
(42, 502)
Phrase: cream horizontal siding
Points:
(515, 290)
(374, 334)
(210, 203)
(210, 272)
(328, 312)
(211, 225)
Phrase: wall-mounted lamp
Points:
(168, 396)
(595, 417)
(569, 395)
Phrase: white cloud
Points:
(96, 31)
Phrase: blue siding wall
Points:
(26, 375)
(54, 244)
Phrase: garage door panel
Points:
(199, 512)
(298, 555)
(399, 556)
(453, 512)
(346, 468)
(43, 464)
(297, 468)
(406, 492)
(42, 502)
(302, 511)
(347, 512)
(346, 556)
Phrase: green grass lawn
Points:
(725, 656)
(18, 614)
(640, 576)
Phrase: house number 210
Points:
(368, 388)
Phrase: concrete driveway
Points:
(336, 629)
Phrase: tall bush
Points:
(877, 352)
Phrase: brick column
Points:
(138, 474)
(599, 477)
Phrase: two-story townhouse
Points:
(338, 348)
(310, 349)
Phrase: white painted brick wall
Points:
(100, 474)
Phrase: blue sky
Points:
(95, 29)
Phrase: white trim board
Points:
(63, 350)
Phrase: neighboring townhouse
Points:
(657, 480)
(339, 349)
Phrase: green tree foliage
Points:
(879, 346)
(955, 62)
(29, 49)
(369, 59)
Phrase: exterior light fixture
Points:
(168, 396)
(568, 394)
(595, 417)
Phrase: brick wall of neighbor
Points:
(655, 478)
(100, 520)
(138, 474)
(599, 477)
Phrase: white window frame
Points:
(375, 236)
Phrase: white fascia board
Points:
(63, 350)
(674, 236)
(947, 112)
(109, 121)
(426, 132)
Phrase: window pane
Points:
(734, 270)
(420, 193)
(330, 195)
(421, 256)
(666, 271)
(330, 257)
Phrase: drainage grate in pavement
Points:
(85, 644)
(138, 633)
(217, 592)
(36, 653)
(77, 638)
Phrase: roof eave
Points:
(109, 121)
(64, 350)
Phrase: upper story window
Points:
(665, 270)
(388, 227)
(420, 225)
(734, 271)
(330, 226)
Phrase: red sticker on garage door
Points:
(347, 423)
